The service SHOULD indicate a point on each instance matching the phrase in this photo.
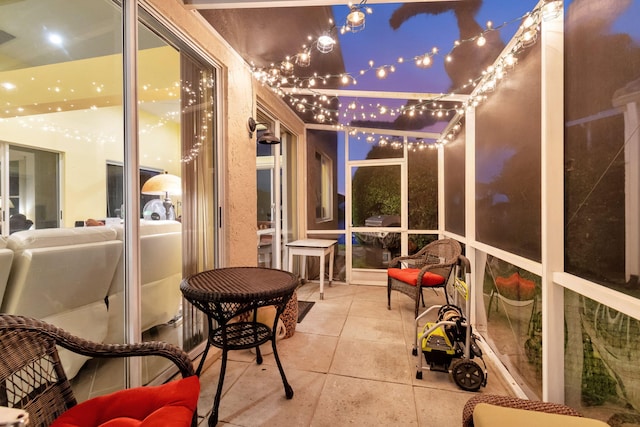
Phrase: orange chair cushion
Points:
(410, 276)
(168, 405)
(516, 288)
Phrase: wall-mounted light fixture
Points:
(267, 137)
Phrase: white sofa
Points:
(161, 273)
(61, 276)
(6, 258)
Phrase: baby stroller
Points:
(448, 344)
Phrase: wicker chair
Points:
(32, 377)
(431, 267)
(513, 402)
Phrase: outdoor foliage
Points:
(376, 189)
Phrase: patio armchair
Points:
(32, 379)
(430, 267)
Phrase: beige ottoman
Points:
(486, 415)
(290, 315)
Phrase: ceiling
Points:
(267, 36)
(265, 32)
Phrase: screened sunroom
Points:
(508, 127)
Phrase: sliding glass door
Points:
(62, 157)
(276, 186)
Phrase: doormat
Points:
(303, 309)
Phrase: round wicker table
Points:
(225, 295)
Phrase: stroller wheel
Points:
(467, 374)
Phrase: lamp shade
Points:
(162, 184)
(268, 137)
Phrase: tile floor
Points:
(349, 363)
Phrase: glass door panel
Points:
(266, 225)
(33, 189)
(61, 122)
(176, 133)
(269, 196)
(376, 211)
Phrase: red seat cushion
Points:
(410, 276)
(516, 288)
(168, 405)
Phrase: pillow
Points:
(168, 405)
(486, 415)
(410, 276)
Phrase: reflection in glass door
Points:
(268, 181)
(176, 136)
(276, 202)
(31, 185)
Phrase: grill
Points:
(379, 245)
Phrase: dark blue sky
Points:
(380, 43)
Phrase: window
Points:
(115, 195)
(33, 188)
(324, 191)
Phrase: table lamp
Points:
(163, 184)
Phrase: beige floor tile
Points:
(325, 317)
(310, 291)
(307, 291)
(258, 398)
(372, 293)
(371, 360)
(308, 352)
(242, 355)
(209, 382)
(358, 402)
(373, 309)
(437, 407)
(372, 329)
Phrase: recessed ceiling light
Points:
(55, 39)
(8, 86)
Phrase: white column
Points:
(552, 218)
(632, 189)
(477, 271)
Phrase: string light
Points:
(355, 20)
(325, 43)
(303, 59)
(526, 36)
